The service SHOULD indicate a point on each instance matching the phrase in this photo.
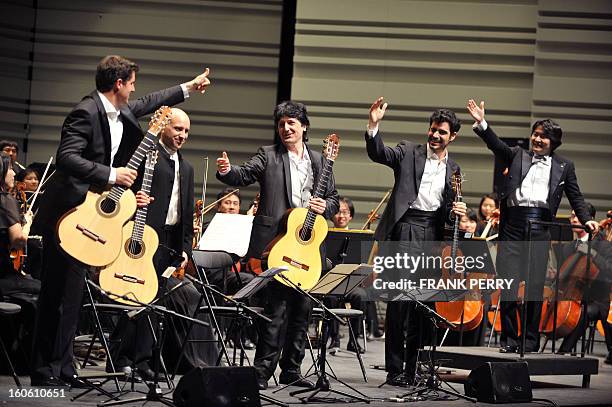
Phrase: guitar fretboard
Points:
(319, 191)
(147, 143)
(140, 219)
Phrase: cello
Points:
(466, 314)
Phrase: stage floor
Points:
(563, 390)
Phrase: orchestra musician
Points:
(419, 206)
(597, 291)
(98, 138)
(488, 204)
(11, 148)
(358, 296)
(286, 173)
(531, 189)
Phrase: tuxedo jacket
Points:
(518, 161)
(271, 168)
(407, 160)
(161, 190)
(83, 155)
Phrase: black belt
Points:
(529, 213)
(416, 214)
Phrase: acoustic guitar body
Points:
(91, 234)
(132, 273)
(302, 257)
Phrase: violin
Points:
(197, 222)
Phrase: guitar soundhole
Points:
(303, 236)
(134, 248)
(108, 206)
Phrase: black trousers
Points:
(517, 256)
(59, 306)
(283, 340)
(406, 327)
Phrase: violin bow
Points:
(42, 181)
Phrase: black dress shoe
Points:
(48, 382)
(75, 383)
(262, 384)
(509, 349)
(351, 348)
(399, 379)
(146, 374)
(295, 379)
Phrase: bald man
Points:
(170, 214)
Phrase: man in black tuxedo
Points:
(98, 138)
(419, 206)
(170, 214)
(531, 189)
(287, 173)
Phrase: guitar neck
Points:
(319, 192)
(455, 237)
(147, 143)
(140, 219)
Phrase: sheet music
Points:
(228, 232)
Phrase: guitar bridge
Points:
(93, 236)
(294, 263)
(129, 279)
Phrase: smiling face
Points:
(343, 217)
(467, 224)
(540, 143)
(439, 137)
(175, 134)
(31, 181)
(290, 130)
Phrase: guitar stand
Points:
(323, 382)
(433, 382)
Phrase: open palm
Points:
(477, 112)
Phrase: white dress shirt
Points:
(116, 130)
(533, 191)
(172, 216)
(431, 190)
(302, 179)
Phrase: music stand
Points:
(323, 377)
(433, 382)
(348, 246)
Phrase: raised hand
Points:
(477, 112)
(223, 163)
(199, 83)
(377, 112)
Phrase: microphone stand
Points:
(155, 393)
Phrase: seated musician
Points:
(228, 279)
(11, 148)
(488, 204)
(597, 292)
(357, 297)
(469, 222)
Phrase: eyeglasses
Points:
(345, 213)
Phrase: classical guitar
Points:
(132, 273)
(302, 232)
(91, 232)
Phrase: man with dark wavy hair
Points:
(98, 138)
(418, 208)
(287, 173)
(531, 189)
